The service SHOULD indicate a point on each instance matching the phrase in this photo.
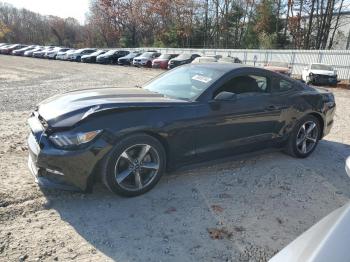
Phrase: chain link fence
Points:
(298, 59)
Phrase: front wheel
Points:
(304, 138)
(134, 166)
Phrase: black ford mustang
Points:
(131, 136)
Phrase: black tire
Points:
(292, 148)
(111, 160)
(78, 59)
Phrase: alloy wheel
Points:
(307, 137)
(137, 167)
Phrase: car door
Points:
(116, 56)
(245, 123)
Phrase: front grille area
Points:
(37, 125)
(43, 122)
(324, 77)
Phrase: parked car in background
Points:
(230, 60)
(7, 50)
(21, 51)
(4, 47)
(41, 53)
(91, 58)
(111, 57)
(127, 60)
(279, 67)
(163, 60)
(3, 44)
(182, 60)
(76, 55)
(145, 59)
(64, 55)
(205, 59)
(31, 51)
(321, 74)
(53, 53)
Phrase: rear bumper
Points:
(329, 112)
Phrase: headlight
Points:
(67, 140)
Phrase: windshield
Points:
(184, 82)
(184, 56)
(111, 52)
(321, 67)
(147, 54)
(99, 52)
(164, 56)
(132, 55)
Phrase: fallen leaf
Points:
(217, 208)
(219, 233)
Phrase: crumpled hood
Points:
(322, 72)
(69, 108)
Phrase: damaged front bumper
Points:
(62, 169)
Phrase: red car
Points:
(162, 61)
(7, 50)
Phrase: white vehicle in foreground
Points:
(320, 74)
(326, 241)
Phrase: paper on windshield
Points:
(201, 78)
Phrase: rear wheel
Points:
(304, 138)
(134, 166)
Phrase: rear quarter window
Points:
(282, 85)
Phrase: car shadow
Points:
(263, 200)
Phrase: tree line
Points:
(297, 24)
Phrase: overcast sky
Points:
(61, 8)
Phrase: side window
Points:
(245, 84)
(281, 85)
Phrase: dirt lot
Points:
(253, 206)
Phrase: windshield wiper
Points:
(138, 86)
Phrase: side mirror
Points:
(225, 96)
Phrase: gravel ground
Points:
(238, 210)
